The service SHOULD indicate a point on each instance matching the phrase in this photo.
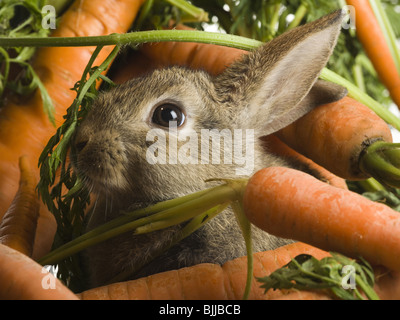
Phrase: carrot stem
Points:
(369, 292)
(189, 228)
(198, 13)
(98, 71)
(187, 210)
(299, 15)
(174, 217)
(365, 63)
(357, 94)
(6, 70)
(358, 77)
(245, 226)
(134, 38)
(381, 160)
(274, 20)
(371, 185)
(144, 11)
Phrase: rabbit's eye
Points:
(165, 113)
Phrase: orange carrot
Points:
(371, 36)
(292, 204)
(18, 226)
(334, 135)
(24, 127)
(304, 295)
(276, 146)
(211, 281)
(22, 278)
(212, 58)
(205, 281)
(387, 284)
(135, 65)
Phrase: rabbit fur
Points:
(265, 90)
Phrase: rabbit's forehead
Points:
(171, 88)
(135, 100)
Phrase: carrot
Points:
(387, 284)
(212, 58)
(18, 226)
(276, 146)
(205, 281)
(304, 295)
(371, 36)
(136, 64)
(22, 278)
(24, 127)
(227, 282)
(292, 204)
(334, 136)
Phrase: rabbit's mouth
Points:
(103, 180)
(101, 166)
(99, 177)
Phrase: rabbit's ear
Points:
(271, 82)
(322, 92)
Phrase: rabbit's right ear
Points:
(269, 84)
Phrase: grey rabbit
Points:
(265, 91)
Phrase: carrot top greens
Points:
(345, 278)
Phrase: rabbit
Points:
(264, 91)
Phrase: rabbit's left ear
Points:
(270, 83)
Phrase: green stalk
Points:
(359, 77)
(365, 63)
(188, 210)
(310, 274)
(178, 216)
(21, 26)
(135, 215)
(362, 97)
(164, 205)
(6, 64)
(245, 226)
(134, 38)
(198, 13)
(369, 292)
(144, 11)
(371, 185)
(98, 71)
(198, 221)
(47, 102)
(274, 20)
(387, 30)
(187, 230)
(299, 15)
(382, 161)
